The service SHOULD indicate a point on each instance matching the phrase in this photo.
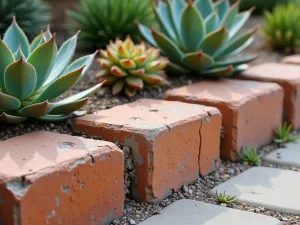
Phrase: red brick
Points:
(293, 59)
(49, 178)
(250, 110)
(288, 77)
(166, 138)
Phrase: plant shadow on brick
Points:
(250, 156)
(201, 37)
(103, 20)
(33, 74)
(284, 134)
(225, 198)
(32, 15)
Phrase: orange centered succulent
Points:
(129, 67)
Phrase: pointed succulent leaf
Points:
(47, 34)
(7, 58)
(81, 95)
(68, 107)
(152, 78)
(222, 7)
(122, 52)
(167, 46)
(18, 54)
(236, 44)
(234, 62)
(60, 86)
(64, 56)
(164, 19)
(153, 66)
(192, 27)
(37, 41)
(205, 7)
(15, 36)
(130, 92)
(54, 118)
(20, 79)
(109, 79)
(83, 61)
(176, 6)
(218, 72)
(76, 65)
(231, 15)
(146, 32)
(11, 119)
(137, 72)
(118, 87)
(42, 59)
(36, 110)
(135, 82)
(118, 72)
(197, 60)
(213, 41)
(212, 22)
(8, 103)
(127, 64)
(239, 23)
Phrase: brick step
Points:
(48, 178)
(251, 110)
(171, 142)
(288, 77)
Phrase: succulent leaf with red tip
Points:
(200, 36)
(128, 66)
(32, 75)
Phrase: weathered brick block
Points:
(292, 59)
(48, 178)
(288, 77)
(170, 141)
(250, 110)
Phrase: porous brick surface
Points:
(171, 142)
(292, 59)
(250, 110)
(48, 178)
(288, 77)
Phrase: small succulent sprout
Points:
(103, 20)
(33, 77)
(225, 198)
(281, 28)
(284, 134)
(129, 67)
(250, 156)
(201, 36)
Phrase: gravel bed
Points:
(135, 212)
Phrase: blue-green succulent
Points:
(33, 74)
(201, 37)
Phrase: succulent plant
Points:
(282, 28)
(284, 134)
(33, 74)
(32, 15)
(201, 36)
(260, 5)
(128, 66)
(250, 155)
(225, 198)
(103, 20)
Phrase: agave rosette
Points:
(129, 67)
(32, 75)
(201, 36)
